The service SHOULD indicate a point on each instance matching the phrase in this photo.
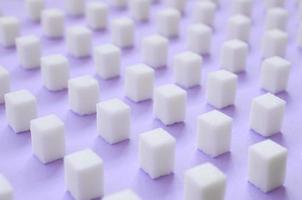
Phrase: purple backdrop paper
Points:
(33, 180)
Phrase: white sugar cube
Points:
(276, 18)
(47, 137)
(53, 23)
(275, 74)
(4, 83)
(84, 174)
(167, 22)
(118, 3)
(204, 182)
(6, 190)
(107, 60)
(20, 108)
(242, 7)
(74, 7)
(122, 32)
(267, 165)
(157, 152)
(274, 3)
(29, 51)
(187, 69)
(79, 41)
(96, 15)
(109, 114)
(126, 194)
(266, 114)
(204, 12)
(233, 55)
(139, 81)
(179, 5)
(83, 94)
(274, 43)
(155, 51)
(139, 9)
(221, 88)
(34, 8)
(55, 72)
(214, 133)
(169, 104)
(199, 39)
(239, 27)
(9, 30)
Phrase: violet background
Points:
(33, 180)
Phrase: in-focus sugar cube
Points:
(79, 41)
(267, 165)
(187, 69)
(55, 72)
(47, 137)
(107, 60)
(109, 114)
(157, 152)
(122, 32)
(266, 114)
(84, 174)
(199, 38)
(221, 88)
(96, 15)
(239, 27)
(274, 43)
(204, 182)
(214, 131)
(83, 94)
(167, 22)
(169, 104)
(53, 23)
(139, 81)
(20, 108)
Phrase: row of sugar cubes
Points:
(252, 179)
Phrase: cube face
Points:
(4, 83)
(179, 5)
(29, 51)
(274, 3)
(55, 72)
(204, 182)
(267, 114)
(110, 113)
(53, 23)
(47, 134)
(274, 43)
(119, 3)
(107, 60)
(239, 27)
(276, 18)
(242, 7)
(275, 74)
(267, 165)
(126, 194)
(20, 107)
(157, 152)
(233, 55)
(139, 81)
(75, 7)
(79, 41)
(84, 86)
(187, 69)
(9, 30)
(199, 39)
(6, 190)
(139, 9)
(155, 51)
(167, 22)
(96, 15)
(84, 174)
(169, 104)
(221, 88)
(214, 133)
(34, 9)
(122, 32)
(204, 12)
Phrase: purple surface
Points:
(33, 180)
